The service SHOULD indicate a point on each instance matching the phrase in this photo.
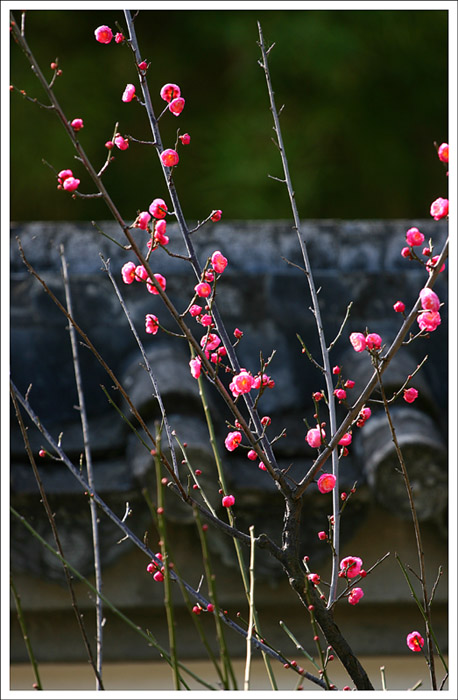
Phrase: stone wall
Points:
(268, 298)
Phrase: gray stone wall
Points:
(268, 298)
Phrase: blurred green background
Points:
(365, 95)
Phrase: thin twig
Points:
(261, 541)
(416, 525)
(157, 393)
(147, 636)
(318, 320)
(168, 602)
(16, 397)
(89, 468)
(246, 683)
(20, 616)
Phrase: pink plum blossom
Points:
(210, 341)
(195, 310)
(406, 253)
(195, 366)
(238, 333)
(76, 124)
(143, 65)
(355, 596)
(160, 228)
(203, 289)
(158, 208)
(265, 380)
(158, 576)
(216, 215)
(410, 395)
(128, 272)
(349, 384)
(70, 184)
(314, 578)
(206, 320)
(141, 273)
(345, 439)
(358, 341)
(160, 280)
(185, 139)
(364, 415)
(219, 262)
(399, 307)
(415, 641)
(252, 455)
(439, 208)
(326, 483)
(176, 106)
(322, 535)
(341, 394)
(169, 157)
(373, 341)
(129, 93)
(228, 501)
(428, 320)
(314, 436)
(119, 37)
(350, 566)
(414, 237)
(429, 300)
(442, 152)
(103, 34)
(170, 91)
(233, 440)
(242, 383)
(121, 142)
(64, 174)
(431, 264)
(262, 466)
(142, 220)
(151, 324)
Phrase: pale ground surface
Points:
(401, 673)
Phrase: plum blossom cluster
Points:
(66, 181)
(429, 318)
(361, 342)
(157, 570)
(244, 382)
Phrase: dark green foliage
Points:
(365, 95)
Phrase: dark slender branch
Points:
(416, 525)
(133, 538)
(15, 397)
(317, 313)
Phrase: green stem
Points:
(246, 685)
(146, 635)
(237, 544)
(21, 619)
(224, 652)
(165, 556)
(186, 597)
